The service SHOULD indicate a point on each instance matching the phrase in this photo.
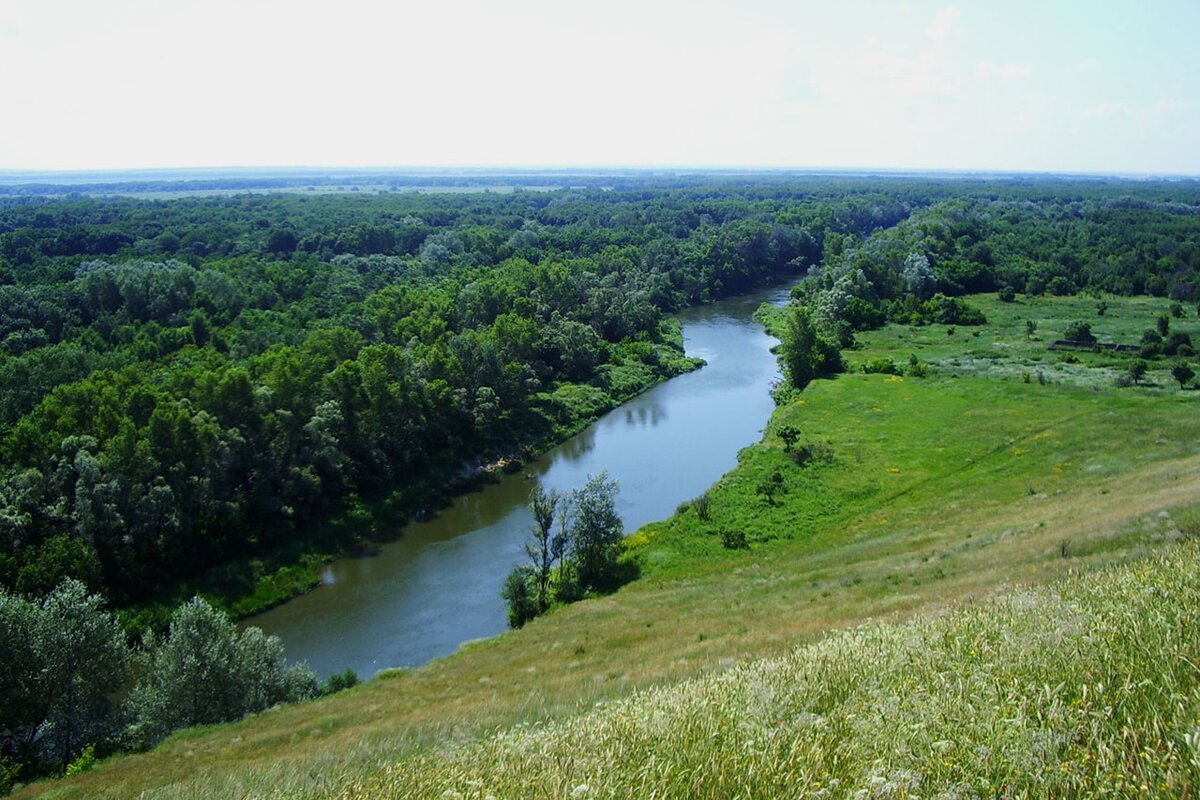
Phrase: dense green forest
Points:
(189, 383)
(186, 382)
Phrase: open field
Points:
(941, 491)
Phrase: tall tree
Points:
(64, 658)
(595, 532)
(547, 548)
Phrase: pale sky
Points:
(1099, 86)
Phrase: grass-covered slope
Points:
(940, 490)
(1088, 688)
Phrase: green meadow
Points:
(972, 583)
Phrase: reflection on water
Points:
(645, 415)
(439, 584)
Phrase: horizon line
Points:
(568, 169)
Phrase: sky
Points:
(1108, 86)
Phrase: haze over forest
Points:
(1026, 86)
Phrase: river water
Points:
(438, 585)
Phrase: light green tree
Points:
(63, 658)
(204, 671)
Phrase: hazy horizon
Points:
(770, 85)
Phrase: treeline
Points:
(231, 372)
(1057, 245)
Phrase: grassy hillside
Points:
(1089, 688)
(939, 491)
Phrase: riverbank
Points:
(393, 609)
(939, 491)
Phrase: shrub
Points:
(206, 671)
(880, 366)
(1079, 331)
(1007, 295)
(339, 681)
(813, 453)
(1175, 342)
(518, 592)
(703, 506)
(734, 539)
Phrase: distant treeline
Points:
(185, 383)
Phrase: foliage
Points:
(1137, 371)
(1182, 373)
(1079, 331)
(205, 671)
(734, 539)
(807, 355)
(84, 762)
(520, 596)
(64, 657)
(340, 681)
(880, 366)
(595, 533)
(547, 548)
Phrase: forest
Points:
(186, 384)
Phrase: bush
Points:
(86, 760)
(340, 681)
(880, 366)
(1175, 342)
(917, 368)
(519, 594)
(1007, 295)
(734, 540)
(813, 453)
(205, 671)
(703, 506)
(1079, 331)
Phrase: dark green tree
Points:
(1138, 371)
(1182, 373)
(520, 594)
(789, 434)
(807, 355)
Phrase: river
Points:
(438, 585)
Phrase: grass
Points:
(1089, 688)
(940, 491)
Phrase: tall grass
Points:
(1088, 688)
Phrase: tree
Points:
(64, 658)
(205, 672)
(547, 548)
(771, 486)
(1031, 327)
(789, 434)
(1164, 324)
(1078, 331)
(1182, 373)
(519, 594)
(806, 354)
(1137, 371)
(595, 532)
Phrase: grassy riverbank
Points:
(940, 491)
